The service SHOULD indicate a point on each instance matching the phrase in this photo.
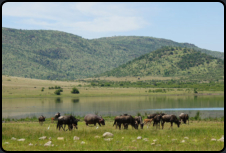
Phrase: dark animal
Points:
(67, 120)
(139, 121)
(55, 118)
(117, 118)
(125, 119)
(153, 115)
(184, 117)
(93, 119)
(125, 125)
(171, 119)
(41, 119)
(156, 120)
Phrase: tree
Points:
(75, 91)
(195, 90)
(57, 92)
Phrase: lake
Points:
(208, 105)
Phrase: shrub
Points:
(93, 84)
(75, 91)
(107, 84)
(57, 87)
(195, 90)
(42, 89)
(57, 92)
(197, 116)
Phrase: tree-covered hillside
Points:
(47, 54)
(171, 61)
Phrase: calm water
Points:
(209, 106)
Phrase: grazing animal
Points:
(184, 117)
(139, 121)
(125, 125)
(125, 119)
(74, 125)
(153, 115)
(67, 120)
(93, 119)
(171, 119)
(41, 119)
(157, 120)
(117, 118)
(55, 118)
(148, 121)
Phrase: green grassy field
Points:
(17, 87)
(198, 133)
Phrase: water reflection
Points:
(75, 100)
(195, 98)
(112, 106)
(58, 100)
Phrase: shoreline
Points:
(110, 95)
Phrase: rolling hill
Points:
(171, 61)
(55, 55)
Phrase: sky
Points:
(198, 23)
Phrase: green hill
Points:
(47, 54)
(171, 61)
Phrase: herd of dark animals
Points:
(124, 120)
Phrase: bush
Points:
(57, 92)
(42, 89)
(197, 116)
(57, 87)
(75, 91)
(195, 90)
(107, 84)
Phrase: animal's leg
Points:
(63, 127)
(163, 124)
(59, 127)
(171, 125)
(70, 127)
(86, 124)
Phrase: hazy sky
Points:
(201, 23)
